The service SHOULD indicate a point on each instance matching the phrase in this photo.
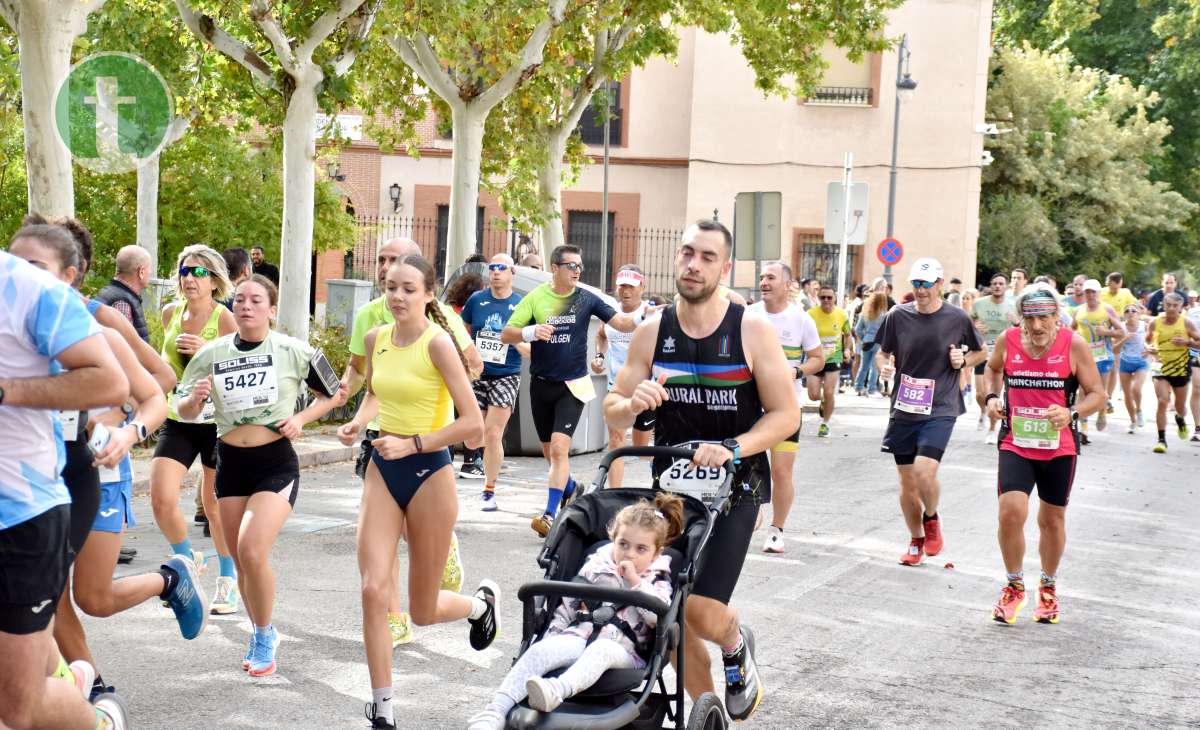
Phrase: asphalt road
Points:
(846, 637)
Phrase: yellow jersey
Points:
(1123, 298)
(1174, 358)
(413, 398)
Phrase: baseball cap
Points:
(630, 277)
(1091, 285)
(925, 269)
(1193, 293)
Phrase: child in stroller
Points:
(633, 560)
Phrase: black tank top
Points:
(712, 394)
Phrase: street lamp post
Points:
(905, 85)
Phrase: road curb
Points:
(308, 457)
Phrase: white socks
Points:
(383, 704)
(478, 607)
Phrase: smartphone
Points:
(99, 439)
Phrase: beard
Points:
(703, 296)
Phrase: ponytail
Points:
(671, 508)
(434, 312)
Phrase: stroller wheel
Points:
(707, 714)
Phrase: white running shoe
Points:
(1133, 428)
(1101, 420)
(225, 601)
(774, 543)
(991, 438)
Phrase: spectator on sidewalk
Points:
(262, 266)
(238, 263)
(124, 292)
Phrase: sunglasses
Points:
(198, 272)
(826, 299)
(497, 267)
(577, 268)
(922, 284)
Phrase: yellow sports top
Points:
(413, 398)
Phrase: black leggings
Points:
(83, 482)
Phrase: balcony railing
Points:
(841, 96)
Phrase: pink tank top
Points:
(1032, 386)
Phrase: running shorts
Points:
(183, 442)
(498, 392)
(1175, 381)
(789, 445)
(831, 367)
(244, 472)
(1195, 361)
(1053, 477)
(116, 507)
(404, 477)
(554, 407)
(644, 421)
(1104, 366)
(35, 558)
(720, 563)
(981, 367)
(1130, 367)
(83, 483)
(905, 440)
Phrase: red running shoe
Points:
(916, 551)
(933, 536)
(1046, 611)
(1010, 604)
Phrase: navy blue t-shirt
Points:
(564, 357)
(486, 316)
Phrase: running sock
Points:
(1162, 435)
(927, 518)
(776, 530)
(383, 704)
(170, 580)
(228, 569)
(1048, 580)
(182, 548)
(556, 495)
(732, 651)
(489, 489)
(263, 633)
(1016, 580)
(478, 608)
(553, 499)
(1180, 421)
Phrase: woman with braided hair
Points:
(416, 373)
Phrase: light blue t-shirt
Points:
(40, 317)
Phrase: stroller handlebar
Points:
(586, 591)
(721, 502)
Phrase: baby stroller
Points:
(623, 698)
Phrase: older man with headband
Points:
(925, 344)
(1037, 364)
(610, 341)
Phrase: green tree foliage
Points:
(216, 189)
(1071, 183)
(1155, 44)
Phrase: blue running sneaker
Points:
(249, 652)
(262, 661)
(187, 599)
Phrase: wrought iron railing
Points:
(841, 96)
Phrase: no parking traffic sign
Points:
(889, 252)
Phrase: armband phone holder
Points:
(328, 381)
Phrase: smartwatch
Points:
(127, 409)
(735, 447)
(140, 429)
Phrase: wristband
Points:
(417, 442)
(529, 333)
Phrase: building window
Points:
(591, 124)
(812, 258)
(846, 82)
(583, 230)
(443, 235)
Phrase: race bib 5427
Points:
(246, 382)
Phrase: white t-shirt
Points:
(797, 332)
(40, 317)
(1193, 316)
(618, 343)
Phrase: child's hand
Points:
(629, 573)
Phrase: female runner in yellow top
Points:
(416, 373)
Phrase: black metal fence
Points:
(841, 96)
(652, 249)
(820, 260)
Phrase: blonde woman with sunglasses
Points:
(196, 318)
